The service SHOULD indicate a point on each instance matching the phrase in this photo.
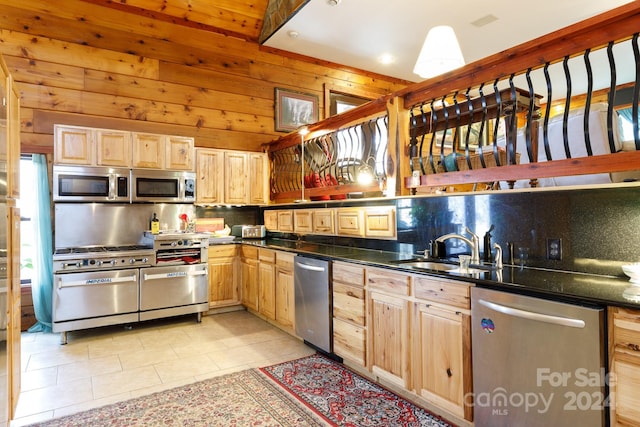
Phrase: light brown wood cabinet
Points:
(285, 220)
(113, 147)
(180, 153)
(285, 297)
(624, 359)
(155, 151)
(324, 221)
(372, 222)
(442, 343)
(271, 220)
(231, 177)
(349, 314)
(223, 276)
(249, 295)
(258, 179)
(350, 222)
(267, 283)
(388, 325)
(209, 176)
(77, 145)
(380, 222)
(303, 221)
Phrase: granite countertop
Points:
(557, 285)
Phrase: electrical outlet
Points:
(554, 249)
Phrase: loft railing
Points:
(502, 123)
(509, 118)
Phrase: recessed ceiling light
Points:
(293, 34)
(386, 58)
(333, 2)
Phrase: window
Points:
(27, 205)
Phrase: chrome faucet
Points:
(498, 258)
(473, 243)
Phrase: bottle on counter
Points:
(155, 224)
(487, 245)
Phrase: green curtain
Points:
(42, 284)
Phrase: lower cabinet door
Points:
(388, 329)
(443, 365)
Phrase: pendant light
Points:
(440, 53)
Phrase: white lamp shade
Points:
(440, 53)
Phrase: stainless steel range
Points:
(179, 282)
(97, 285)
(122, 282)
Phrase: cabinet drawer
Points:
(285, 220)
(247, 251)
(348, 273)
(323, 222)
(349, 341)
(348, 303)
(222, 251)
(380, 222)
(302, 220)
(387, 281)
(456, 294)
(626, 331)
(284, 260)
(267, 255)
(350, 222)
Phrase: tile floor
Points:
(105, 365)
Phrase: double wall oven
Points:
(132, 276)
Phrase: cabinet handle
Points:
(449, 373)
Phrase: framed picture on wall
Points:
(294, 109)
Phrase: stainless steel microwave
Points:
(163, 186)
(90, 184)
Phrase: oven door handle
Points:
(97, 281)
(174, 274)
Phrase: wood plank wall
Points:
(83, 63)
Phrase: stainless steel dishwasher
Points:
(313, 302)
(536, 362)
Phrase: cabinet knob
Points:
(634, 347)
(449, 373)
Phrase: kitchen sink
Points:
(431, 265)
(441, 266)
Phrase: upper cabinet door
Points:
(210, 176)
(259, 179)
(113, 148)
(148, 150)
(180, 153)
(73, 145)
(235, 177)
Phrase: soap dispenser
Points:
(487, 245)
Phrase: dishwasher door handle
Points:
(532, 315)
(309, 267)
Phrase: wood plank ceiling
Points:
(242, 19)
(178, 67)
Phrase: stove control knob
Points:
(132, 260)
(145, 260)
(174, 243)
(98, 263)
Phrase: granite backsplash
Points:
(599, 228)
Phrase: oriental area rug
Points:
(312, 391)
